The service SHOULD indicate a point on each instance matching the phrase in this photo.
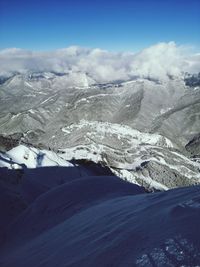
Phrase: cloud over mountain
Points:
(157, 62)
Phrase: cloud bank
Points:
(157, 62)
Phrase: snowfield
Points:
(31, 158)
(83, 215)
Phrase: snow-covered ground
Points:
(151, 160)
(31, 157)
(120, 131)
(87, 220)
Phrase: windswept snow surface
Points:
(86, 220)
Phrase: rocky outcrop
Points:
(193, 146)
(7, 142)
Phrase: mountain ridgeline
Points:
(142, 129)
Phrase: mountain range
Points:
(99, 158)
(145, 130)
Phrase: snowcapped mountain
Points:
(85, 136)
(139, 128)
(38, 103)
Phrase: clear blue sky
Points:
(109, 24)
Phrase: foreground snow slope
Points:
(104, 221)
(79, 214)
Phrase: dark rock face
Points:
(193, 147)
(3, 79)
(9, 141)
(164, 175)
(193, 80)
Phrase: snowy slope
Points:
(80, 214)
(150, 160)
(20, 186)
(48, 113)
(31, 158)
(138, 127)
(106, 222)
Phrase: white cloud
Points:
(158, 62)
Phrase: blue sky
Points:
(114, 25)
